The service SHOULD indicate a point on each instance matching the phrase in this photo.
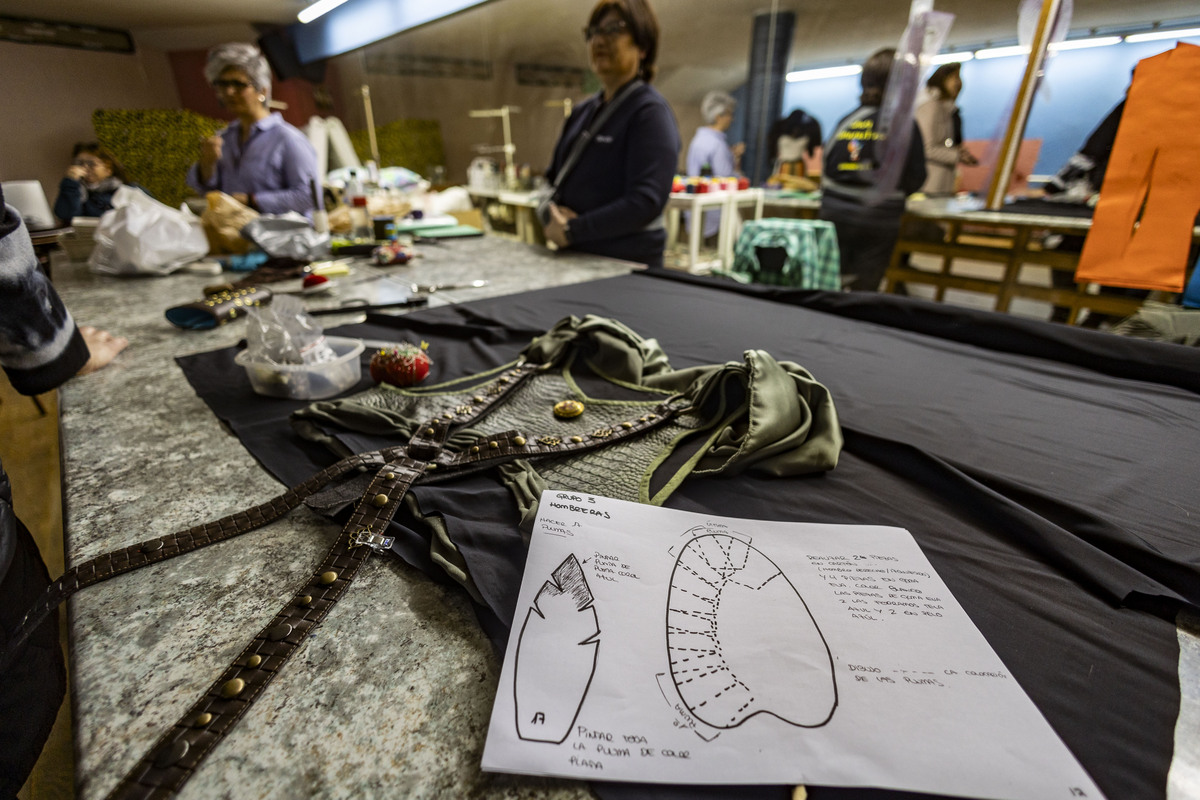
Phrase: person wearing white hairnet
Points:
(709, 154)
(259, 159)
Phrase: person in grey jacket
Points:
(940, 122)
(40, 348)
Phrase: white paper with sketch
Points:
(665, 646)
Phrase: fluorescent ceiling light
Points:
(1002, 52)
(950, 58)
(824, 72)
(1083, 44)
(317, 9)
(1183, 33)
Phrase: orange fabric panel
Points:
(1142, 227)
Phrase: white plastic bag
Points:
(141, 236)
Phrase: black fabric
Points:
(32, 687)
(1048, 473)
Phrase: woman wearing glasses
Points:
(91, 181)
(259, 159)
(616, 157)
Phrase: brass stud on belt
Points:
(568, 409)
(202, 719)
(474, 448)
(254, 660)
(150, 547)
(494, 445)
(652, 416)
(232, 688)
(306, 600)
(476, 399)
(328, 577)
(171, 755)
(430, 431)
(577, 439)
(380, 500)
(430, 466)
(642, 419)
(280, 631)
(519, 441)
(626, 425)
(391, 476)
(448, 415)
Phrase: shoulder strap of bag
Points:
(585, 138)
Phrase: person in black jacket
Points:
(40, 348)
(867, 221)
(91, 181)
(610, 200)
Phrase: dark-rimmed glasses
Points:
(227, 83)
(609, 30)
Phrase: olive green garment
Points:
(761, 415)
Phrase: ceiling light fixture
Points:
(1002, 52)
(317, 9)
(1183, 33)
(950, 58)
(823, 72)
(1083, 44)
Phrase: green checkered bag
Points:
(787, 252)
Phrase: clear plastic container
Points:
(307, 381)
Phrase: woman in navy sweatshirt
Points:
(610, 201)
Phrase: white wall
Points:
(50, 93)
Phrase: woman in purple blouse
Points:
(259, 159)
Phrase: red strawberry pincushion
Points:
(402, 365)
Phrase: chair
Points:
(801, 253)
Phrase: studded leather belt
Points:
(177, 754)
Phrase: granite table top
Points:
(389, 697)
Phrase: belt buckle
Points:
(365, 537)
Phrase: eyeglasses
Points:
(609, 30)
(224, 83)
(86, 163)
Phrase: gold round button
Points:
(519, 441)
(494, 445)
(306, 600)
(475, 448)
(568, 409)
(254, 660)
(380, 500)
(328, 577)
(232, 688)
(200, 720)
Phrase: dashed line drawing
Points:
(556, 656)
(724, 670)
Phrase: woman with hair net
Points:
(259, 159)
(709, 154)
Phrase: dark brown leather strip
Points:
(177, 754)
(162, 548)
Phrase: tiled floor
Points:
(29, 449)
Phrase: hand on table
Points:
(103, 347)
(559, 217)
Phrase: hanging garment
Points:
(1142, 227)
